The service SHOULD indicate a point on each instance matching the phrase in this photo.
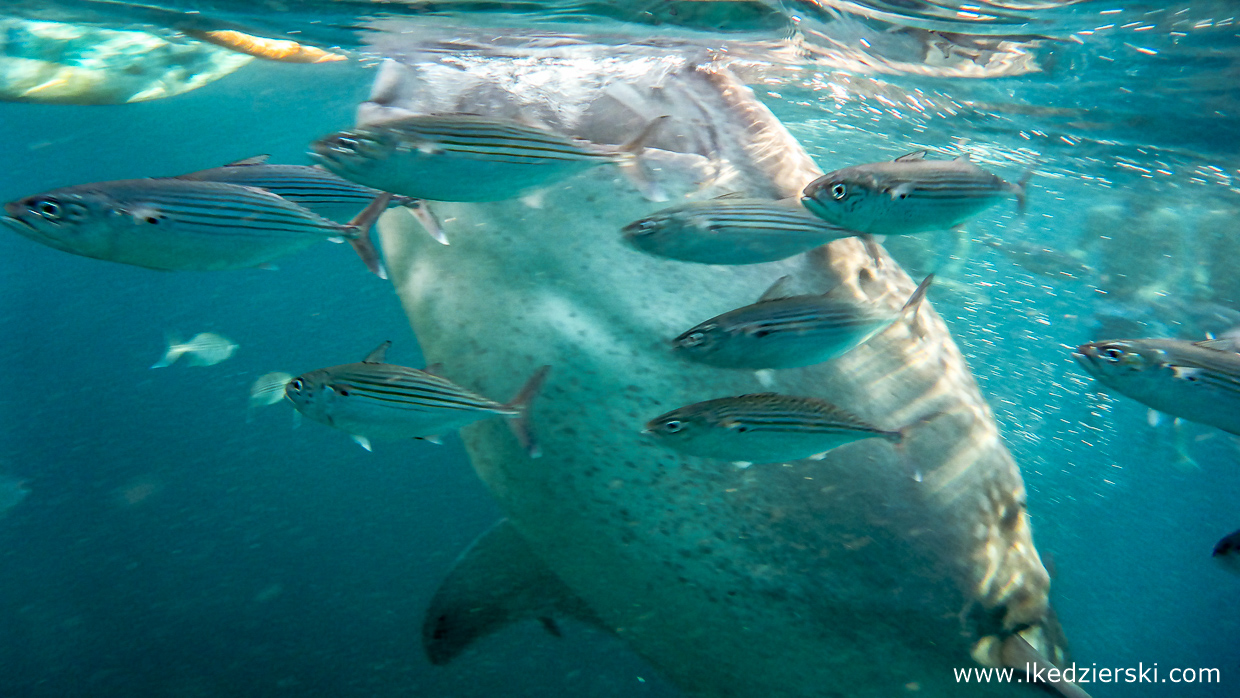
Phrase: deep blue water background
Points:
(171, 548)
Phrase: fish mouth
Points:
(1086, 357)
(14, 220)
(812, 204)
(13, 212)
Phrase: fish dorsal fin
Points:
(1228, 344)
(246, 162)
(912, 157)
(496, 582)
(778, 290)
(963, 157)
(377, 356)
(435, 369)
(730, 195)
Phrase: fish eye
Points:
(1112, 354)
(348, 144)
(672, 426)
(48, 208)
(838, 191)
(295, 385)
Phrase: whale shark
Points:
(871, 572)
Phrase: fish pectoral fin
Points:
(1188, 373)
(379, 353)
(433, 438)
(913, 156)
(435, 369)
(497, 581)
(901, 191)
(765, 376)
(535, 198)
(1153, 417)
(362, 441)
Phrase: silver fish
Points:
(372, 399)
(1227, 552)
(761, 428)
(181, 225)
(464, 157)
(1198, 381)
(787, 332)
(732, 230)
(205, 349)
(313, 187)
(908, 195)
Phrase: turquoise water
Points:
(171, 547)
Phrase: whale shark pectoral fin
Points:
(497, 581)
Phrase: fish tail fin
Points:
(631, 165)
(360, 238)
(913, 304)
(520, 404)
(422, 211)
(175, 349)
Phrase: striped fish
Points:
(791, 331)
(313, 187)
(761, 428)
(731, 230)
(1199, 381)
(465, 157)
(376, 400)
(908, 195)
(182, 225)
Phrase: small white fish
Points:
(12, 492)
(267, 389)
(205, 349)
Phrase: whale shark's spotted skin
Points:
(868, 573)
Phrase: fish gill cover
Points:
(291, 560)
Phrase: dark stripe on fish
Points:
(411, 389)
(496, 140)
